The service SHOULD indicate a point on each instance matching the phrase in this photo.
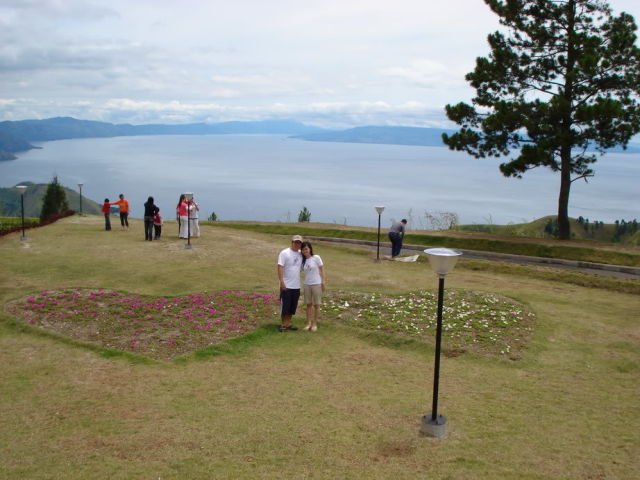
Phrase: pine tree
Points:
(304, 215)
(562, 80)
(54, 201)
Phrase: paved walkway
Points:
(619, 271)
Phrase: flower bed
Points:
(167, 327)
(472, 321)
(161, 328)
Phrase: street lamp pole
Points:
(80, 186)
(436, 368)
(442, 260)
(379, 209)
(22, 189)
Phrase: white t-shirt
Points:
(291, 262)
(194, 208)
(312, 270)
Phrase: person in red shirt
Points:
(106, 209)
(157, 225)
(123, 203)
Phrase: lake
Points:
(271, 177)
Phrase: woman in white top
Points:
(314, 285)
(194, 208)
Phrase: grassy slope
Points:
(535, 229)
(331, 405)
(597, 252)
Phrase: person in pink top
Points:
(182, 212)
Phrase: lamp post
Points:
(188, 196)
(442, 260)
(80, 187)
(379, 209)
(22, 189)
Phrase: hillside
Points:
(622, 232)
(10, 201)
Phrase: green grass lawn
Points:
(344, 402)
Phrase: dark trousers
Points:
(124, 219)
(107, 222)
(148, 228)
(157, 230)
(396, 243)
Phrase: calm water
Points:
(268, 177)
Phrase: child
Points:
(106, 209)
(157, 225)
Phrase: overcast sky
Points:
(332, 63)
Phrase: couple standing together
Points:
(291, 261)
(187, 216)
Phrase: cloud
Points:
(326, 114)
(329, 63)
(427, 73)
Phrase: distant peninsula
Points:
(18, 136)
(430, 137)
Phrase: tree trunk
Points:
(564, 228)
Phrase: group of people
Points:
(297, 258)
(152, 217)
(188, 217)
(292, 261)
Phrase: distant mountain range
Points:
(427, 137)
(17, 136)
